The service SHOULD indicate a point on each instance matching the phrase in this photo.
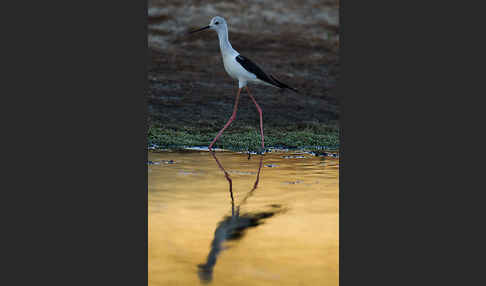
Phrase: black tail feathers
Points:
(282, 85)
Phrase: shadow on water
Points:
(232, 228)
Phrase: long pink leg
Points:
(261, 118)
(233, 116)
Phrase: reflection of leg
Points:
(229, 181)
(205, 271)
(233, 116)
(230, 228)
(250, 193)
(261, 118)
(258, 174)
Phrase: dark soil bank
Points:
(190, 93)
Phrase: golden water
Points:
(281, 228)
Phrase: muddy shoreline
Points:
(190, 96)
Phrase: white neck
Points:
(224, 43)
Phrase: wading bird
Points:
(240, 68)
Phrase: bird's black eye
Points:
(216, 23)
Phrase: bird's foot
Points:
(261, 151)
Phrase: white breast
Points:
(229, 66)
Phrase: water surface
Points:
(225, 219)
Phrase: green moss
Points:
(246, 138)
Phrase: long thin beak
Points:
(198, 30)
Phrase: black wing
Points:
(253, 68)
(260, 74)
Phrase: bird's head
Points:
(217, 23)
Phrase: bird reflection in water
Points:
(232, 227)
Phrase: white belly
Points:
(235, 70)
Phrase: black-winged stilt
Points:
(242, 69)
